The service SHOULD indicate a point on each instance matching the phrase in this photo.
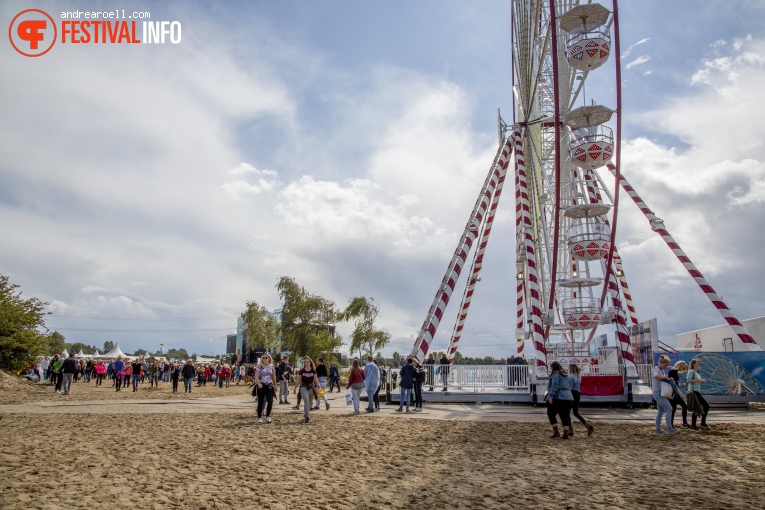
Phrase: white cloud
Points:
(638, 61)
(626, 53)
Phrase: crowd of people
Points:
(311, 382)
(61, 372)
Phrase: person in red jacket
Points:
(356, 384)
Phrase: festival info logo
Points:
(32, 32)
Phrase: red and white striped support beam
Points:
(520, 241)
(621, 326)
(534, 306)
(436, 311)
(658, 226)
(475, 267)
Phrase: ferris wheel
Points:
(726, 377)
(570, 278)
(565, 152)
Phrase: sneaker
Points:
(357, 411)
(268, 419)
(672, 431)
(315, 408)
(260, 420)
(399, 410)
(705, 426)
(686, 426)
(660, 432)
(694, 427)
(326, 405)
(307, 419)
(407, 409)
(370, 410)
(295, 407)
(286, 402)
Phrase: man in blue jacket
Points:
(371, 382)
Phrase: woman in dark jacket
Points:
(406, 382)
(419, 379)
(559, 399)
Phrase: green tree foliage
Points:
(108, 346)
(20, 320)
(141, 352)
(365, 336)
(261, 327)
(54, 343)
(180, 354)
(79, 346)
(307, 321)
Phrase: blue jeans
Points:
(356, 400)
(370, 399)
(135, 379)
(187, 381)
(663, 407)
(406, 396)
(67, 382)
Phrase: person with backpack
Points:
(334, 377)
(55, 369)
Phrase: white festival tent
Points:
(64, 354)
(114, 353)
(200, 359)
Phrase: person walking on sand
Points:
(283, 374)
(55, 369)
(321, 373)
(576, 383)
(118, 368)
(356, 384)
(136, 374)
(188, 372)
(559, 399)
(662, 403)
(334, 377)
(265, 377)
(371, 382)
(308, 383)
(678, 399)
(175, 374)
(68, 368)
(100, 372)
(406, 383)
(696, 402)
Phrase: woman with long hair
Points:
(662, 402)
(576, 383)
(419, 379)
(356, 384)
(308, 382)
(265, 377)
(559, 399)
(677, 399)
(696, 402)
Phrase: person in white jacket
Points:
(371, 382)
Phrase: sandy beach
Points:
(154, 449)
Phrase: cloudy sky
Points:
(147, 192)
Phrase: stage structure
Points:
(565, 154)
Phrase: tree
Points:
(20, 321)
(79, 346)
(180, 354)
(141, 352)
(108, 346)
(261, 326)
(54, 343)
(363, 312)
(308, 320)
